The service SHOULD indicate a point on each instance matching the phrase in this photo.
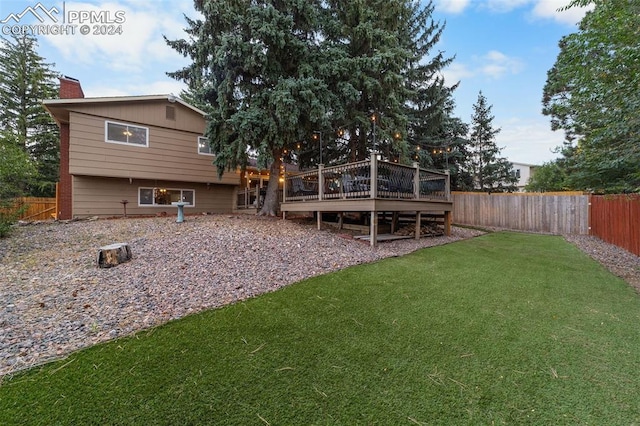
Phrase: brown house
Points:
(147, 150)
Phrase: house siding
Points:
(100, 196)
(146, 113)
(171, 155)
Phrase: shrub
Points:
(10, 211)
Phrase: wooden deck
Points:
(372, 186)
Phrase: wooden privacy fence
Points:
(555, 213)
(38, 208)
(616, 220)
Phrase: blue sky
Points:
(503, 48)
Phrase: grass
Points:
(502, 329)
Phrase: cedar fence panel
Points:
(38, 208)
(616, 220)
(554, 213)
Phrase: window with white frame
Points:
(203, 146)
(165, 196)
(126, 134)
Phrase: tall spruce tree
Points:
(254, 71)
(25, 80)
(383, 76)
(291, 76)
(489, 171)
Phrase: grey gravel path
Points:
(53, 299)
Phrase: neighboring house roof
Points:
(58, 108)
(523, 164)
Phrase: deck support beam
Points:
(418, 224)
(447, 223)
(394, 222)
(373, 229)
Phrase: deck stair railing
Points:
(367, 179)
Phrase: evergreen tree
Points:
(280, 79)
(25, 80)
(386, 86)
(489, 171)
(254, 71)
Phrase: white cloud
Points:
(548, 9)
(496, 64)
(139, 44)
(528, 141)
(107, 89)
(493, 65)
(456, 72)
(452, 6)
(503, 6)
(544, 9)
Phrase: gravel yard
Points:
(54, 299)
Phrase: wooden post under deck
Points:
(447, 223)
(418, 224)
(394, 222)
(373, 229)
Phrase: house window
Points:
(518, 173)
(126, 134)
(203, 146)
(165, 196)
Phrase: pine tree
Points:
(254, 71)
(282, 78)
(489, 171)
(383, 77)
(25, 80)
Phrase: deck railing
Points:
(367, 179)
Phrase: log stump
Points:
(113, 254)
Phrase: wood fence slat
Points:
(616, 220)
(557, 213)
(38, 208)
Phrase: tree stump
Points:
(113, 254)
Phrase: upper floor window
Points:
(203, 146)
(126, 133)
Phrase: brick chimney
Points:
(69, 89)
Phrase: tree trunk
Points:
(271, 203)
(113, 255)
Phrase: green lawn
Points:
(506, 328)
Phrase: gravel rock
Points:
(54, 299)
(618, 261)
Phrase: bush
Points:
(10, 211)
